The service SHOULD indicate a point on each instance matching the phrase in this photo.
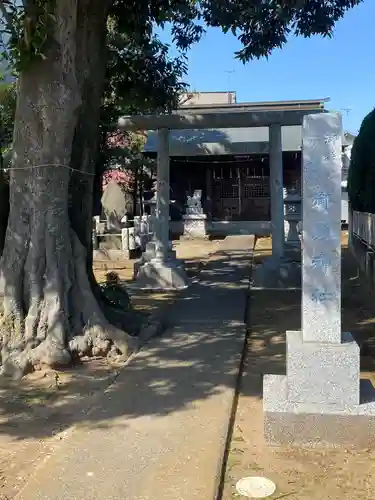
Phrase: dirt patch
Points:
(298, 474)
(37, 412)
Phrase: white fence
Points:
(362, 225)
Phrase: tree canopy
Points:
(260, 25)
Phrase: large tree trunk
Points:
(91, 59)
(49, 311)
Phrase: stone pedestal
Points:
(195, 221)
(318, 402)
(318, 373)
(195, 226)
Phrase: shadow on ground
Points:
(203, 359)
(45, 404)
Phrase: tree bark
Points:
(4, 207)
(91, 59)
(49, 311)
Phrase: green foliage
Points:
(141, 78)
(8, 97)
(361, 176)
(27, 30)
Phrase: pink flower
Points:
(124, 178)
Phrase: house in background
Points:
(231, 166)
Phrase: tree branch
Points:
(7, 16)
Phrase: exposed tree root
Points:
(50, 314)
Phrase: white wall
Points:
(206, 98)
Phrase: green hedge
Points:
(8, 99)
(361, 176)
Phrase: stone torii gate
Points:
(162, 270)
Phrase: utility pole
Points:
(347, 110)
(229, 72)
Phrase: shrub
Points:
(361, 176)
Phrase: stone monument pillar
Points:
(318, 401)
(195, 221)
(159, 269)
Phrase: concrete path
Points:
(159, 432)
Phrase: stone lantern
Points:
(292, 216)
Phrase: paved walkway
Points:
(160, 430)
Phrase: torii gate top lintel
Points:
(183, 120)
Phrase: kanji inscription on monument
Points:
(321, 258)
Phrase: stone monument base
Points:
(314, 426)
(318, 403)
(156, 274)
(195, 226)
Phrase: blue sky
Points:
(342, 68)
